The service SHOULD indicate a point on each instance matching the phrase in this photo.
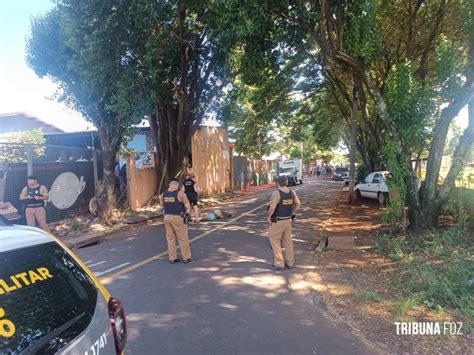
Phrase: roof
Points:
(78, 133)
(17, 237)
(88, 133)
(16, 127)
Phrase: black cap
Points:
(282, 180)
(32, 177)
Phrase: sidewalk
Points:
(355, 281)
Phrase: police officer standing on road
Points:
(191, 189)
(35, 194)
(176, 209)
(283, 205)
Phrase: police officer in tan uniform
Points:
(176, 206)
(35, 196)
(283, 205)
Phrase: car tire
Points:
(382, 198)
(301, 181)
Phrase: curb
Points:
(77, 242)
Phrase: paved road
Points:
(226, 301)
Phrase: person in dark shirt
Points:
(122, 176)
(35, 196)
(191, 190)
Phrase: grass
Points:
(404, 306)
(435, 270)
(465, 180)
(365, 295)
(76, 226)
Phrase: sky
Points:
(22, 91)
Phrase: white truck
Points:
(293, 169)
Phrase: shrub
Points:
(436, 269)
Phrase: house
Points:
(20, 121)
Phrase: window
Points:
(49, 313)
(377, 179)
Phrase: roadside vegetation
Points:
(435, 269)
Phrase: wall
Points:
(141, 184)
(249, 172)
(211, 160)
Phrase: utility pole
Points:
(355, 104)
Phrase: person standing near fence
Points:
(191, 190)
(35, 194)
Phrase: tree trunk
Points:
(430, 202)
(110, 144)
(173, 143)
(108, 197)
(459, 157)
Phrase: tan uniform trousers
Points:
(36, 214)
(176, 229)
(281, 231)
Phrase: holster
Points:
(186, 217)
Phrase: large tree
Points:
(80, 46)
(403, 57)
(176, 54)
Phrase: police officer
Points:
(283, 205)
(35, 194)
(176, 205)
(191, 190)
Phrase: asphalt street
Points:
(227, 301)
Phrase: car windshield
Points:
(46, 299)
(286, 170)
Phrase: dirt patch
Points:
(358, 289)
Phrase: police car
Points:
(50, 302)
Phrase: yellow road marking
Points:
(112, 277)
(109, 279)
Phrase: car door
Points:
(365, 186)
(375, 185)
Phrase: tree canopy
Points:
(261, 66)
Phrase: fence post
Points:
(29, 159)
(96, 173)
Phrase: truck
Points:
(293, 169)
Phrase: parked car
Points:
(373, 187)
(50, 302)
(341, 174)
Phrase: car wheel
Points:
(301, 181)
(382, 198)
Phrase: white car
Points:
(374, 187)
